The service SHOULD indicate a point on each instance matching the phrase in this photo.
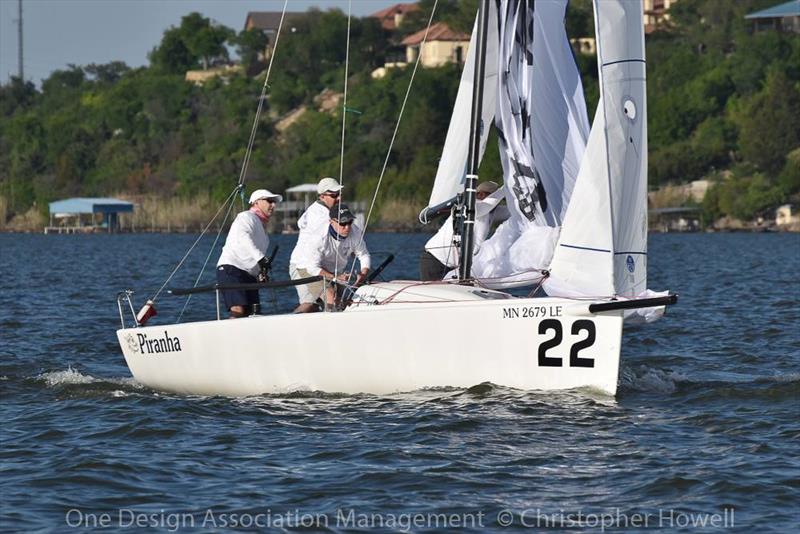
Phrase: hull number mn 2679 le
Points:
(533, 312)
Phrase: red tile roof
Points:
(438, 32)
(386, 16)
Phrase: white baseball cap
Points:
(258, 194)
(328, 184)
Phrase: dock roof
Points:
(90, 205)
(787, 9)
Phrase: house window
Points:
(459, 54)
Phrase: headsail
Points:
(602, 250)
(453, 163)
(542, 126)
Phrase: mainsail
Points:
(602, 250)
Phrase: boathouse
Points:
(76, 215)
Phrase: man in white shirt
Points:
(243, 259)
(312, 225)
(316, 215)
(440, 255)
(327, 255)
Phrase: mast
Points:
(473, 159)
(19, 48)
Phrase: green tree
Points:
(16, 96)
(196, 42)
(251, 45)
(768, 125)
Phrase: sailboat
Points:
(578, 194)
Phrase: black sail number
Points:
(582, 325)
(591, 333)
(544, 326)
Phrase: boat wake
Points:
(646, 379)
(72, 380)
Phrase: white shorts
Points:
(306, 293)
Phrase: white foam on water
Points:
(70, 376)
(783, 378)
(649, 379)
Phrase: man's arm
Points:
(364, 259)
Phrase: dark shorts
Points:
(228, 274)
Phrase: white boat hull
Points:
(399, 346)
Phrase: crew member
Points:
(313, 224)
(327, 255)
(316, 215)
(243, 259)
(440, 255)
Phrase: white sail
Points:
(542, 126)
(453, 163)
(602, 249)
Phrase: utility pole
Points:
(19, 34)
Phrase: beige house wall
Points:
(655, 11)
(438, 53)
(785, 217)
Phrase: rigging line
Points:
(344, 122)
(397, 124)
(180, 263)
(210, 252)
(261, 98)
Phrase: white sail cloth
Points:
(577, 197)
(453, 165)
(602, 250)
(542, 128)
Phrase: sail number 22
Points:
(578, 327)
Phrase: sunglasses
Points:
(270, 200)
(332, 195)
(348, 223)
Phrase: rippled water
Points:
(706, 426)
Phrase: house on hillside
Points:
(656, 14)
(782, 17)
(268, 22)
(442, 46)
(786, 216)
(391, 17)
(584, 45)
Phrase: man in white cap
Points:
(440, 255)
(243, 259)
(313, 225)
(316, 215)
(327, 255)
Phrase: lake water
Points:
(705, 429)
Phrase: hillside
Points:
(723, 105)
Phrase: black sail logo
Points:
(158, 345)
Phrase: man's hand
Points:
(361, 277)
(263, 265)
